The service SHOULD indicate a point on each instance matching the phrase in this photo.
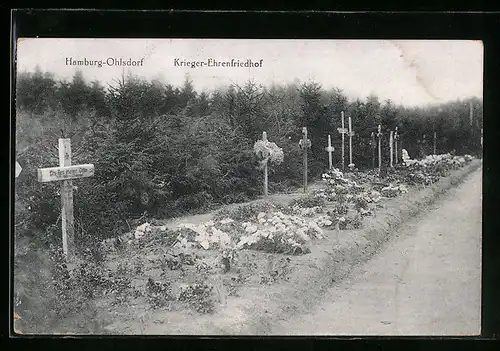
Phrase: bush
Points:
(158, 293)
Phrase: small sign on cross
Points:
(64, 173)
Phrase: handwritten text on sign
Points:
(64, 173)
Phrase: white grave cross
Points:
(65, 172)
(396, 137)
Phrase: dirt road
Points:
(425, 282)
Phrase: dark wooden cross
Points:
(305, 144)
(342, 131)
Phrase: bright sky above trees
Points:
(407, 72)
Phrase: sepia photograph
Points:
(299, 187)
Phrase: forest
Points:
(162, 151)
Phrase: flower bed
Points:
(433, 167)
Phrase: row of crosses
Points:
(393, 147)
(66, 172)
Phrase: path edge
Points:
(312, 281)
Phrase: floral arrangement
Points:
(288, 230)
(207, 235)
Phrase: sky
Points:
(409, 72)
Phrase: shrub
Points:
(350, 222)
(158, 293)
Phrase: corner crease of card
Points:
(18, 169)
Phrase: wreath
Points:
(268, 151)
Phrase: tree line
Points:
(166, 150)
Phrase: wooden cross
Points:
(18, 169)
(305, 144)
(396, 137)
(391, 142)
(330, 149)
(379, 135)
(435, 136)
(471, 112)
(373, 145)
(351, 134)
(65, 172)
(264, 138)
(342, 131)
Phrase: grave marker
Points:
(18, 169)
(471, 112)
(396, 137)
(373, 146)
(264, 138)
(330, 149)
(379, 135)
(435, 143)
(65, 172)
(351, 134)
